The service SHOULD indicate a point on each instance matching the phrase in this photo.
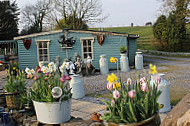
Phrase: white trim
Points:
(38, 34)
(37, 44)
(92, 46)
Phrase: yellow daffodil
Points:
(152, 69)
(14, 68)
(113, 60)
(112, 78)
(117, 86)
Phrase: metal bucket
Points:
(53, 113)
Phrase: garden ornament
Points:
(56, 92)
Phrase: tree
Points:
(172, 31)
(8, 20)
(72, 24)
(35, 16)
(78, 13)
(160, 32)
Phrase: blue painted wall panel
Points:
(110, 47)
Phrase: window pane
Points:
(41, 58)
(89, 42)
(84, 42)
(85, 56)
(40, 44)
(89, 49)
(44, 51)
(85, 49)
(45, 45)
(90, 54)
(45, 58)
(40, 51)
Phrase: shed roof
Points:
(78, 31)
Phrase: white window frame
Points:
(92, 46)
(37, 44)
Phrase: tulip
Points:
(109, 86)
(129, 81)
(144, 87)
(116, 94)
(142, 80)
(67, 78)
(157, 80)
(35, 77)
(131, 93)
(62, 79)
(46, 74)
(46, 78)
(112, 103)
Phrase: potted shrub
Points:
(123, 49)
(50, 94)
(132, 103)
(14, 88)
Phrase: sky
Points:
(122, 12)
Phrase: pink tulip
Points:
(142, 80)
(144, 87)
(112, 102)
(39, 70)
(62, 79)
(35, 77)
(46, 78)
(46, 74)
(129, 81)
(67, 78)
(157, 80)
(109, 86)
(131, 93)
(116, 94)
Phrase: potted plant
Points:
(50, 94)
(132, 103)
(14, 88)
(123, 49)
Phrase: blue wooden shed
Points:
(45, 46)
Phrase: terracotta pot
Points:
(152, 121)
(12, 100)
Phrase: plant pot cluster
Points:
(49, 96)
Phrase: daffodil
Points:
(14, 68)
(152, 69)
(112, 78)
(117, 86)
(113, 60)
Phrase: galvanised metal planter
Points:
(53, 112)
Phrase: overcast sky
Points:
(122, 12)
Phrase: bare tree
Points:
(35, 17)
(78, 12)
